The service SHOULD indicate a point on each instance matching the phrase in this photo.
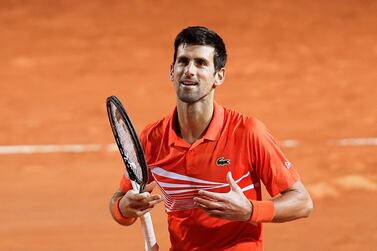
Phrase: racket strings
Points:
(128, 147)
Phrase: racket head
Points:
(128, 142)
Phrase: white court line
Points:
(289, 143)
(83, 148)
(356, 142)
(74, 148)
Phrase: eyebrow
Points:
(196, 58)
(200, 58)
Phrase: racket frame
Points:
(139, 150)
(137, 184)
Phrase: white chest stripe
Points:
(176, 176)
(178, 195)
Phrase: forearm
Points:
(292, 204)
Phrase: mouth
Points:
(188, 83)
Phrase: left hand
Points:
(230, 206)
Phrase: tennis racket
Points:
(133, 157)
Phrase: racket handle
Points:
(150, 238)
(147, 226)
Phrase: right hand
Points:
(134, 204)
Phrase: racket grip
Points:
(147, 226)
(150, 238)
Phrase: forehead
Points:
(196, 51)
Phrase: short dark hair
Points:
(198, 35)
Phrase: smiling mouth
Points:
(188, 83)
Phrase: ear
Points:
(171, 72)
(219, 77)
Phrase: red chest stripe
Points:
(179, 190)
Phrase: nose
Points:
(190, 69)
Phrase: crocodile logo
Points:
(222, 161)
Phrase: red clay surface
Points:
(305, 68)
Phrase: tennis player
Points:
(210, 161)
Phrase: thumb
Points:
(149, 187)
(233, 185)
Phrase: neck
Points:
(194, 118)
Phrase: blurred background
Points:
(307, 69)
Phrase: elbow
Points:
(307, 208)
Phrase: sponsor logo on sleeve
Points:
(288, 164)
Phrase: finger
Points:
(154, 198)
(233, 185)
(215, 213)
(213, 196)
(149, 207)
(138, 196)
(208, 204)
(142, 212)
(151, 200)
(137, 205)
(147, 202)
(154, 202)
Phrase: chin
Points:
(188, 100)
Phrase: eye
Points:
(183, 61)
(201, 62)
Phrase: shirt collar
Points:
(213, 131)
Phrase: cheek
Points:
(208, 76)
(174, 72)
(177, 71)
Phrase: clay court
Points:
(307, 69)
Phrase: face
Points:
(193, 73)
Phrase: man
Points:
(209, 161)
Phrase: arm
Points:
(126, 207)
(293, 203)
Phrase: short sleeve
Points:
(269, 162)
(125, 184)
